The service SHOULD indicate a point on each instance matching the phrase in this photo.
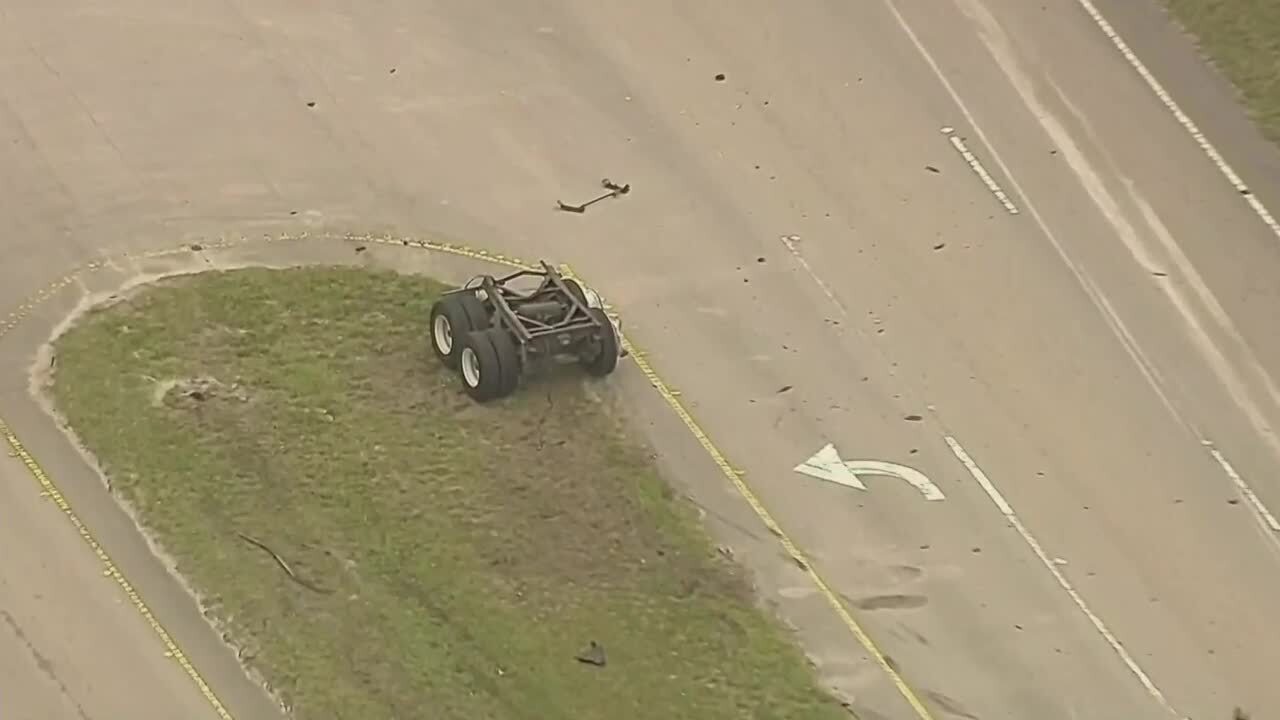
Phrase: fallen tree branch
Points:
(283, 565)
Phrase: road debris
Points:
(614, 190)
(592, 655)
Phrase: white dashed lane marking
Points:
(976, 166)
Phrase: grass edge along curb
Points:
(402, 352)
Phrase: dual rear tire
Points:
(452, 317)
(603, 357)
(489, 364)
(464, 339)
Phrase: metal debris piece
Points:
(592, 655)
(614, 191)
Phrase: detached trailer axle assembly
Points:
(492, 332)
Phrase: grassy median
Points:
(385, 548)
(1242, 37)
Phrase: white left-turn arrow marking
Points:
(826, 464)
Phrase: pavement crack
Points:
(43, 663)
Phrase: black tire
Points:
(575, 289)
(452, 317)
(508, 359)
(479, 367)
(603, 357)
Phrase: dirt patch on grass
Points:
(382, 547)
(1242, 38)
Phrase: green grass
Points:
(1241, 37)
(464, 554)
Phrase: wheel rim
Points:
(470, 368)
(443, 333)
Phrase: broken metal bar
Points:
(614, 190)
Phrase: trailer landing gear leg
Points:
(614, 191)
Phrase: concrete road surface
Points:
(967, 235)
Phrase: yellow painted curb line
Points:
(735, 477)
(110, 570)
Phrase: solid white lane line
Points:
(1117, 325)
(1103, 305)
(1264, 515)
(1007, 511)
(1000, 47)
(1187, 124)
(976, 166)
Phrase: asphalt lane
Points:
(70, 644)
(1076, 349)
(1187, 269)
